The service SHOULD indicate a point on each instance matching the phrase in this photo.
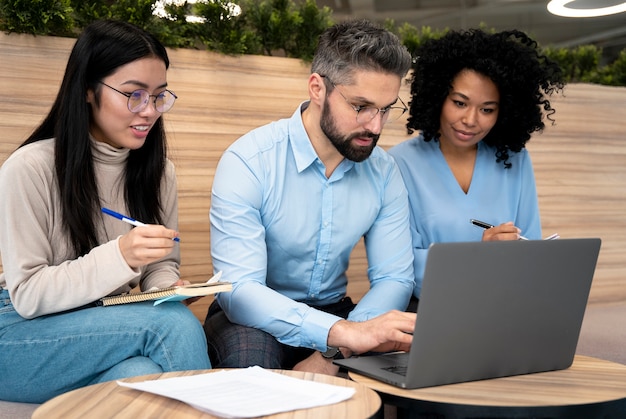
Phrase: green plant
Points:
(138, 12)
(613, 74)
(37, 17)
(412, 37)
(284, 28)
(274, 22)
(271, 27)
(86, 12)
(224, 30)
(312, 23)
(174, 29)
(578, 64)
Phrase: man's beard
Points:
(344, 144)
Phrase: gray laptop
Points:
(492, 309)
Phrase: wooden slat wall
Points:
(580, 162)
(580, 166)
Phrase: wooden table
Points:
(590, 388)
(109, 400)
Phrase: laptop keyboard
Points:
(397, 369)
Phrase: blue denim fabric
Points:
(49, 355)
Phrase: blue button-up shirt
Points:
(283, 232)
(441, 210)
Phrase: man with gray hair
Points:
(291, 199)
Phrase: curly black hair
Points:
(525, 78)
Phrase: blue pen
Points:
(128, 220)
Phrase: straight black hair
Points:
(101, 48)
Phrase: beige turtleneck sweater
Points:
(38, 272)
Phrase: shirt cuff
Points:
(317, 326)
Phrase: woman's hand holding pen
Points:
(505, 231)
(146, 244)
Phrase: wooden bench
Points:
(580, 162)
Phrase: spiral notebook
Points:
(175, 293)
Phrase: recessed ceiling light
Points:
(559, 8)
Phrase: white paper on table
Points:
(245, 393)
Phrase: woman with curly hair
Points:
(476, 98)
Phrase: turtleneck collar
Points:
(104, 153)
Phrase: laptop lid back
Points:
(492, 309)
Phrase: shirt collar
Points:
(301, 146)
(299, 141)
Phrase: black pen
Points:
(485, 225)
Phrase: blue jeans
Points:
(43, 357)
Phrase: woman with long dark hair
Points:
(102, 145)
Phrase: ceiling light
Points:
(559, 8)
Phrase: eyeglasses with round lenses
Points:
(365, 114)
(139, 99)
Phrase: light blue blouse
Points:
(441, 211)
(283, 233)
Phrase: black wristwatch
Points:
(332, 353)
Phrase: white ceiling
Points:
(530, 16)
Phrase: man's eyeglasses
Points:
(138, 99)
(365, 114)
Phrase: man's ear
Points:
(317, 89)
